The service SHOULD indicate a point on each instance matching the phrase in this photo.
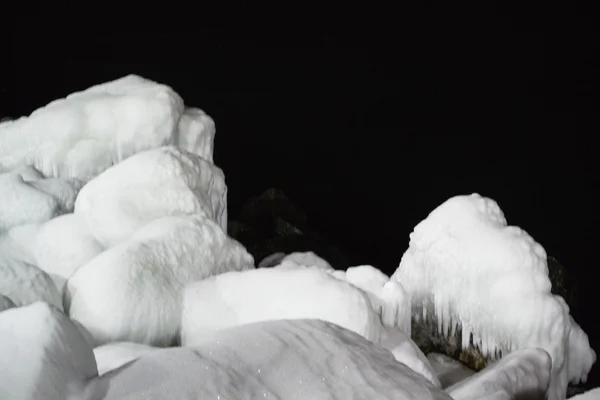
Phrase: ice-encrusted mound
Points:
(88, 131)
(292, 360)
(6, 303)
(132, 292)
(63, 245)
(306, 258)
(466, 266)
(448, 370)
(114, 355)
(237, 298)
(150, 185)
(196, 133)
(43, 355)
(272, 260)
(25, 284)
(593, 394)
(406, 351)
(524, 374)
(19, 243)
(581, 355)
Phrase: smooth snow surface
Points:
(285, 360)
(132, 292)
(237, 298)
(88, 131)
(308, 259)
(149, 185)
(466, 266)
(196, 133)
(114, 355)
(448, 370)
(524, 374)
(64, 244)
(407, 352)
(271, 261)
(20, 243)
(43, 355)
(25, 284)
(593, 394)
(5, 303)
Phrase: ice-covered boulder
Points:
(111, 356)
(19, 243)
(292, 360)
(5, 303)
(593, 394)
(466, 267)
(43, 355)
(132, 292)
(524, 374)
(85, 133)
(581, 355)
(308, 259)
(149, 185)
(237, 298)
(448, 370)
(196, 133)
(25, 284)
(272, 260)
(63, 245)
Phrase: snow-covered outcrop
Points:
(291, 360)
(112, 356)
(149, 185)
(448, 370)
(43, 356)
(85, 133)
(196, 133)
(589, 395)
(524, 374)
(5, 303)
(307, 259)
(132, 292)
(272, 260)
(466, 266)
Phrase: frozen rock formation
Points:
(132, 292)
(448, 370)
(5, 303)
(149, 185)
(112, 356)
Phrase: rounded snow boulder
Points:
(149, 185)
(132, 292)
(111, 356)
(43, 355)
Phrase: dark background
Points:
(370, 121)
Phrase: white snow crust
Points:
(112, 356)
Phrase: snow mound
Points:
(296, 359)
(448, 370)
(25, 284)
(593, 394)
(6, 303)
(308, 259)
(271, 261)
(19, 243)
(43, 355)
(197, 133)
(524, 374)
(63, 245)
(581, 355)
(112, 356)
(149, 185)
(406, 351)
(237, 298)
(85, 133)
(131, 292)
(465, 266)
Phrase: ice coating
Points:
(85, 133)
(132, 292)
(285, 360)
(593, 394)
(112, 356)
(466, 266)
(581, 355)
(272, 260)
(43, 355)
(196, 133)
(149, 185)
(308, 259)
(524, 374)
(448, 370)
(5, 303)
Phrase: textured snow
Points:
(593, 394)
(43, 355)
(237, 298)
(64, 244)
(131, 292)
(150, 185)
(466, 266)
(25, 284)
(88, 131)
(581, 355)
(448, 370)
(524, 374)
(287, 360)
(114, 355)
(406, 351)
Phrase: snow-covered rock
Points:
(149, 185)
(308, 259)
(196, 133)
(291, 360)
(25, 284)
(448, 370)
(63, 245)
(85, 133)
(5, 303)
(524, 374)
(114, 355)
(466, 266)
(593, 394)
(43, 355)
(271, 261)
(237, 298)
(581, 355)
(407, 352)
(20, 242)
(132, 292)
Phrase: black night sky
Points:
(368, 127)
